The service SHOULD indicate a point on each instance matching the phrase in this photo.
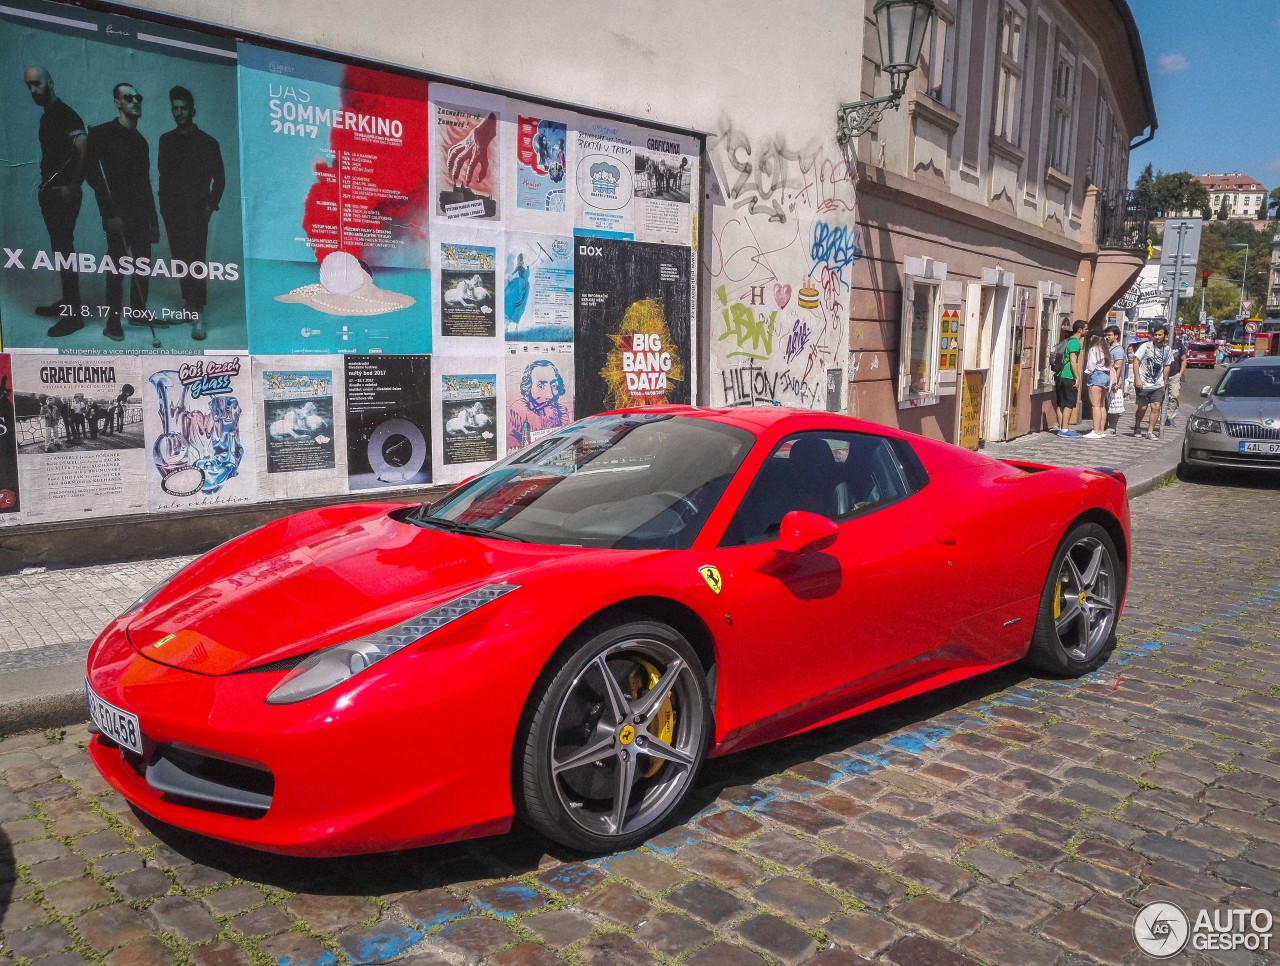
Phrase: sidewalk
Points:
(50, 617)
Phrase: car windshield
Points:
(1253, 382)
(624, 481)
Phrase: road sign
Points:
(1251, 327)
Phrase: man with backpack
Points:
(1064, 361)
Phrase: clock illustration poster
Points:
(388, 421)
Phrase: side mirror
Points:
(1205, 392)
(801, 531)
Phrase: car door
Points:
(818, 629)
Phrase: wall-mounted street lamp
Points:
(901, 27)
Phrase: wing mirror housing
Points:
(802, 531)
(1204, 391)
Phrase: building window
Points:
(939, 60)
(918, 371)
(1064, 100)
(1009, 73)
(1046, 339)
(1101, 142)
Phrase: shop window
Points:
(918, 368)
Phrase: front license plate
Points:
(120, 726)
(1257, 446)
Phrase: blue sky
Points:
(1215, 77)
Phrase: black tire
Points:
(638, 752)
(1190, 474)
(1075, 628)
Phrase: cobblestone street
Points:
(1012, 820)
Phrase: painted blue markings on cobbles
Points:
(671, 842)
(385, 946)
(511, 900)
(570, 880)
(605, 863)
(326, 958)
(448, 913)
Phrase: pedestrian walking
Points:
(1150, 377)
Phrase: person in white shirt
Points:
(1150, 376)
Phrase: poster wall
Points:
(303, 422)
(120, 202)
(632, 323)
(79, 437)
(388, 403)
(201, 444)
(539, 396)
(250, 274)
(336, 203)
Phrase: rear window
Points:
(1202, 347)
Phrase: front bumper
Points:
(1223, 451)
(368, 767)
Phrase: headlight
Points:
(1202, 424)
(328, 668)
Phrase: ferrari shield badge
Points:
(164, 640)
(712, 576)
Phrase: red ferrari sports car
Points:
(567, 636)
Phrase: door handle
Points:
(947, 537)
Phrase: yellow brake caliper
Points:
(664, 725)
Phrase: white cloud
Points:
(1173, 63)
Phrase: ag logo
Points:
(712, 576)
(1161, 929)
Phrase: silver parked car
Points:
(1238, 424)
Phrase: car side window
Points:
(836, 475)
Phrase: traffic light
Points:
(1204, 280)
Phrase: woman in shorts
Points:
(1097, 380)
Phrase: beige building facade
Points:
(987, 203)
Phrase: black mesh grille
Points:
(284, 664)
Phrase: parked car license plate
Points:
(1258, 446)
(120, 726)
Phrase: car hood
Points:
(1246, 408)
(304, 583)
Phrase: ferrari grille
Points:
(1252, 431)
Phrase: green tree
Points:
(1224, 211)
(1273, 201)
(1179, 192)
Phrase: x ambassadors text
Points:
(84, 263)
